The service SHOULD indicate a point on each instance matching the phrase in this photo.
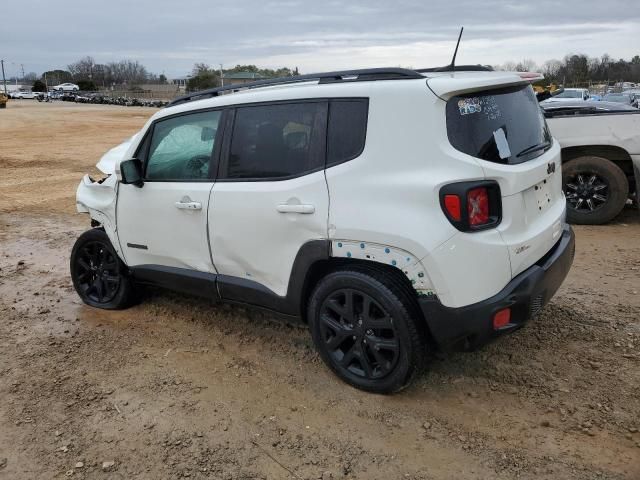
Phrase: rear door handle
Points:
(296, 208)
(189, 205)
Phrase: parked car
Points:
(569, 95)
(600, 155)
(67, 87)
(22, 94)
(623, 98)
(385, 237)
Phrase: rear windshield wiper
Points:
(534, 148)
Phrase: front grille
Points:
(536, 305)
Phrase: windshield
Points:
(503, 126)
(569, 94)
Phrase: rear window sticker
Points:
(468, 106)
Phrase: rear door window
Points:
(503, 126)
(277, 141)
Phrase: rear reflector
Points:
(478, 206)
(452, 204)
(501, 318)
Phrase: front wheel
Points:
(99, 276)
(596, 190)
(366, 328)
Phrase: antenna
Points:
(452, 67)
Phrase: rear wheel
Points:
(596, 190)
(98, 274)
(365, 327)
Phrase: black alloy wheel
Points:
(360, 334)
(586, 191)
(97, 272)
(101, 279)
(596, 190)
(367, 327)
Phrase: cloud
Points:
(171, 36)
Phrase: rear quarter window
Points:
(503, 126)
(347, 129)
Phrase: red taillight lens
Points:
(452, 204)
(478, 206)
(501, 318)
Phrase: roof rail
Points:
(457, 68)
(367, 74)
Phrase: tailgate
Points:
(533, 206)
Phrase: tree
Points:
(87, 85)
(83, 68)
(39, 86)
(550, 69)
(203, 77)
(56, 77)
(162, 79)
(128, 72)
(526, 65)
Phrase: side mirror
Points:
(131, 172)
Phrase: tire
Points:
(379, 351)
(99, 276)
(596, 190)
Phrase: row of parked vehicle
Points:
(629, 97)
(84, 97)
(97, 98)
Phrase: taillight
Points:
(472, 206)
(452, 204)
(478, 206)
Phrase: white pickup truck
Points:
(600, 144)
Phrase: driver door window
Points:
(181, 147)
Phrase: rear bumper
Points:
(526, 294)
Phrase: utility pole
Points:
(221, 77)
(22, 68)
(4, 81)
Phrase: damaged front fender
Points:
(98, 199)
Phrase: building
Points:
(180, 82)
(239, 78)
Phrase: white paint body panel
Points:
(620, 130)
(251, 239)
(174, 237)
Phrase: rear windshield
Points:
(503, 126)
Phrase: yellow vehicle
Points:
(3, 100)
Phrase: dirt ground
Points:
(179, 388)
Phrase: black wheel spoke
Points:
(384, 344)
(84, 264)
(364, 362)
(349, 356)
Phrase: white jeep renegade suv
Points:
(391, 210)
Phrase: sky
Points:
(170, 36)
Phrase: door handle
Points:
(189, 205)
(296, 208)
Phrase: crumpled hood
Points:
(109, 160)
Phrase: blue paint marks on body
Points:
(348, 254)
(386, 250)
